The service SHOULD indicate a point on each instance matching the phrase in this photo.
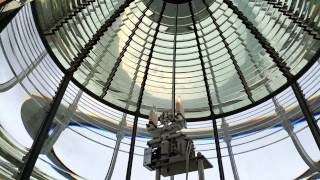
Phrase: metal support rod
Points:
(124, 50)
(158, 175)
(36, 147)
(174, 64)
(139, 102)
(215, 128)
(131, 151)
(200, 169)
(232, 161)
(227, 139)
(314, 128)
